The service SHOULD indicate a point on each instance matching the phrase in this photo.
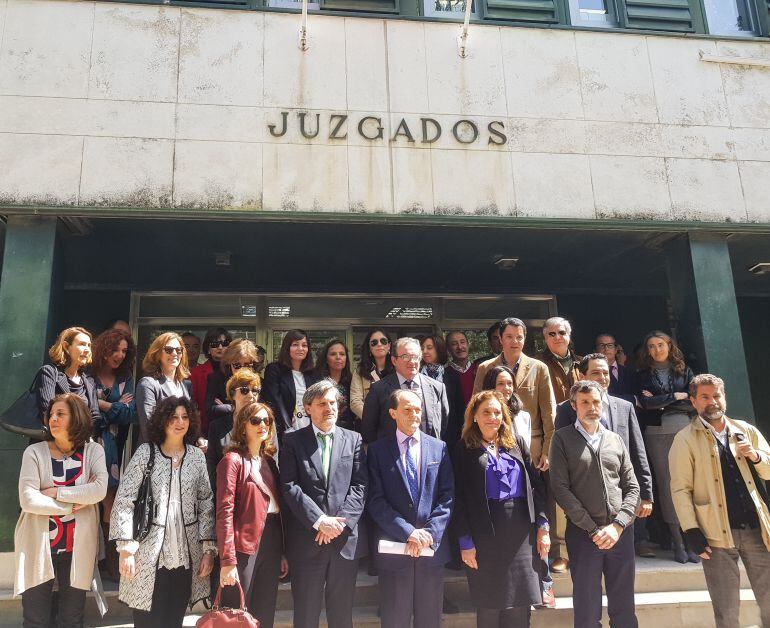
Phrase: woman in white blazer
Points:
(62, 479)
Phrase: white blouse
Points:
(256, 464)
(175, 552)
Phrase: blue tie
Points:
(411, 471)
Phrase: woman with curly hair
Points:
(169, 569)
(61, 481)
(249, 531)
(662, 389)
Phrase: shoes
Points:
(644, 551)
(549, 600)
(450, 608)
(680, 555)
(692, 557)
(560, 565)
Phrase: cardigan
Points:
(32, 545)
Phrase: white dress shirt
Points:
(722, 437)
(256, 464)
(593, 440)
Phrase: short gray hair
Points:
(318, 390)
(584, 386)
(556, 320)
(406, 340)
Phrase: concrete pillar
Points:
(27, 288)
(706, 312)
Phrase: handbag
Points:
(144, 505)
(225, 617)
(23, 417)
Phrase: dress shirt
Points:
(401, 438)
(415, 385)
(723, 436)
(593, 441)
(256, 465)
(330, 444)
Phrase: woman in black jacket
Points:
(334, 363)
(662, 388)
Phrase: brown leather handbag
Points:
(224, 617)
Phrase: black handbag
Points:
(144, 505)
(23, 417)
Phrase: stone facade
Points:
(119, 105)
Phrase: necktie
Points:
(408, 384)
(325, 451)
(411, 470)
(615, 372)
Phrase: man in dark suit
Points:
(621, 378)
(377, 422)
(323, 482)
(410, 499)
(619, 416)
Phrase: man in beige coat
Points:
(717, 468)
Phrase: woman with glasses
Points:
(214, 345)
(333, 363)
(240, 353)
(165, 369)
(242, 389)
(286, 380)
(249, 530)
(434, 357)
(374, 365)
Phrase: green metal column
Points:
(27, 289)
(702, 295)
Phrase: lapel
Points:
(425, 389)
(612, 410)
(395, 453)
(338, 444)
(313, 447)
(523, 371)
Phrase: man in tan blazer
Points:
(533, 386)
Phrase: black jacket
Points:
(279, 393)
(661, 399)
(454, 393)
(52, 381)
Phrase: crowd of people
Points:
(511, 467)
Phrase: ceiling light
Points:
(506, 263)
(761, 268)
(278, 311)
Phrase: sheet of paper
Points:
(392, 547)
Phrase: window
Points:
(448, 8)
(292, 4)
(731, 17)
(593, 13)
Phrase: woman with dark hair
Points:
(214, 344)
(499, 514)
(374, 365)
(333, 363)
(662, 389)
(502, 379)
(434, 357)
(249, 530)
(166, 373)
(169, 569)
(61, 481)
(286, 380)
(241, 353)
(69, 355)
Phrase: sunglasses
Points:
(214, 344)
(237, 366)
(173, 350)
(245, 390)
(553, 334)
(378, 341)
(258, 420)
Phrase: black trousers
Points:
(327, 577)
(416, 591)
(505, 618)
(587, 565)
(170, 599)
(36, 602)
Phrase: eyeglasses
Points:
(258, 420)
(561, 332)
(237, 366)
(379, 341)
(408, 358)
(606, 345)
(245, 390)
(214, 344)
(173, 350)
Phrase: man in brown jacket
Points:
(561, 360)
(717, 468)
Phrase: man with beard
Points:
(718, 465)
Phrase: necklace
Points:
(61, 451)
(176, 457)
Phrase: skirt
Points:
(507, 576)
(658, 440)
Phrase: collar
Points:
(459, 368)
(401, 379)
(401, 437)
(316, 431)
(504, 361)
(599, 430)
(719, 435)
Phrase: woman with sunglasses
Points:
(249, 530)
(242, 389)
(374, 365)
(165, 369)
(240, 353)
(214, 345)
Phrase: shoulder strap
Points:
(151, 462)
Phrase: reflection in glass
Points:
(450, 6)
(730, 17)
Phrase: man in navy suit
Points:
(376, 421)
(323, 483)
(621, 378)
(411, 490)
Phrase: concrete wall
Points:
(124, 105)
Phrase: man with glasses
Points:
(621, 378)
(405, 357)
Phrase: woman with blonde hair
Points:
(166, 373)
(61, 481)
(501, 525)
(241, 353)
(249, 531)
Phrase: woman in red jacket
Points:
(249, 531)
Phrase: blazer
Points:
(216, 388)
(307, 497)
(241, 506)
(561, 382)
(359, 389)
(662, 401)
(390, 501)
(151, 390)
(622, 420)
(471, 515)
(377, 421)
(53, 381)
(533, 386)
(278, 391)
(623, 385)
(454, 393)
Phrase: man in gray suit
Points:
(377, 422)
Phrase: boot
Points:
(680, 554)
(111, 556)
